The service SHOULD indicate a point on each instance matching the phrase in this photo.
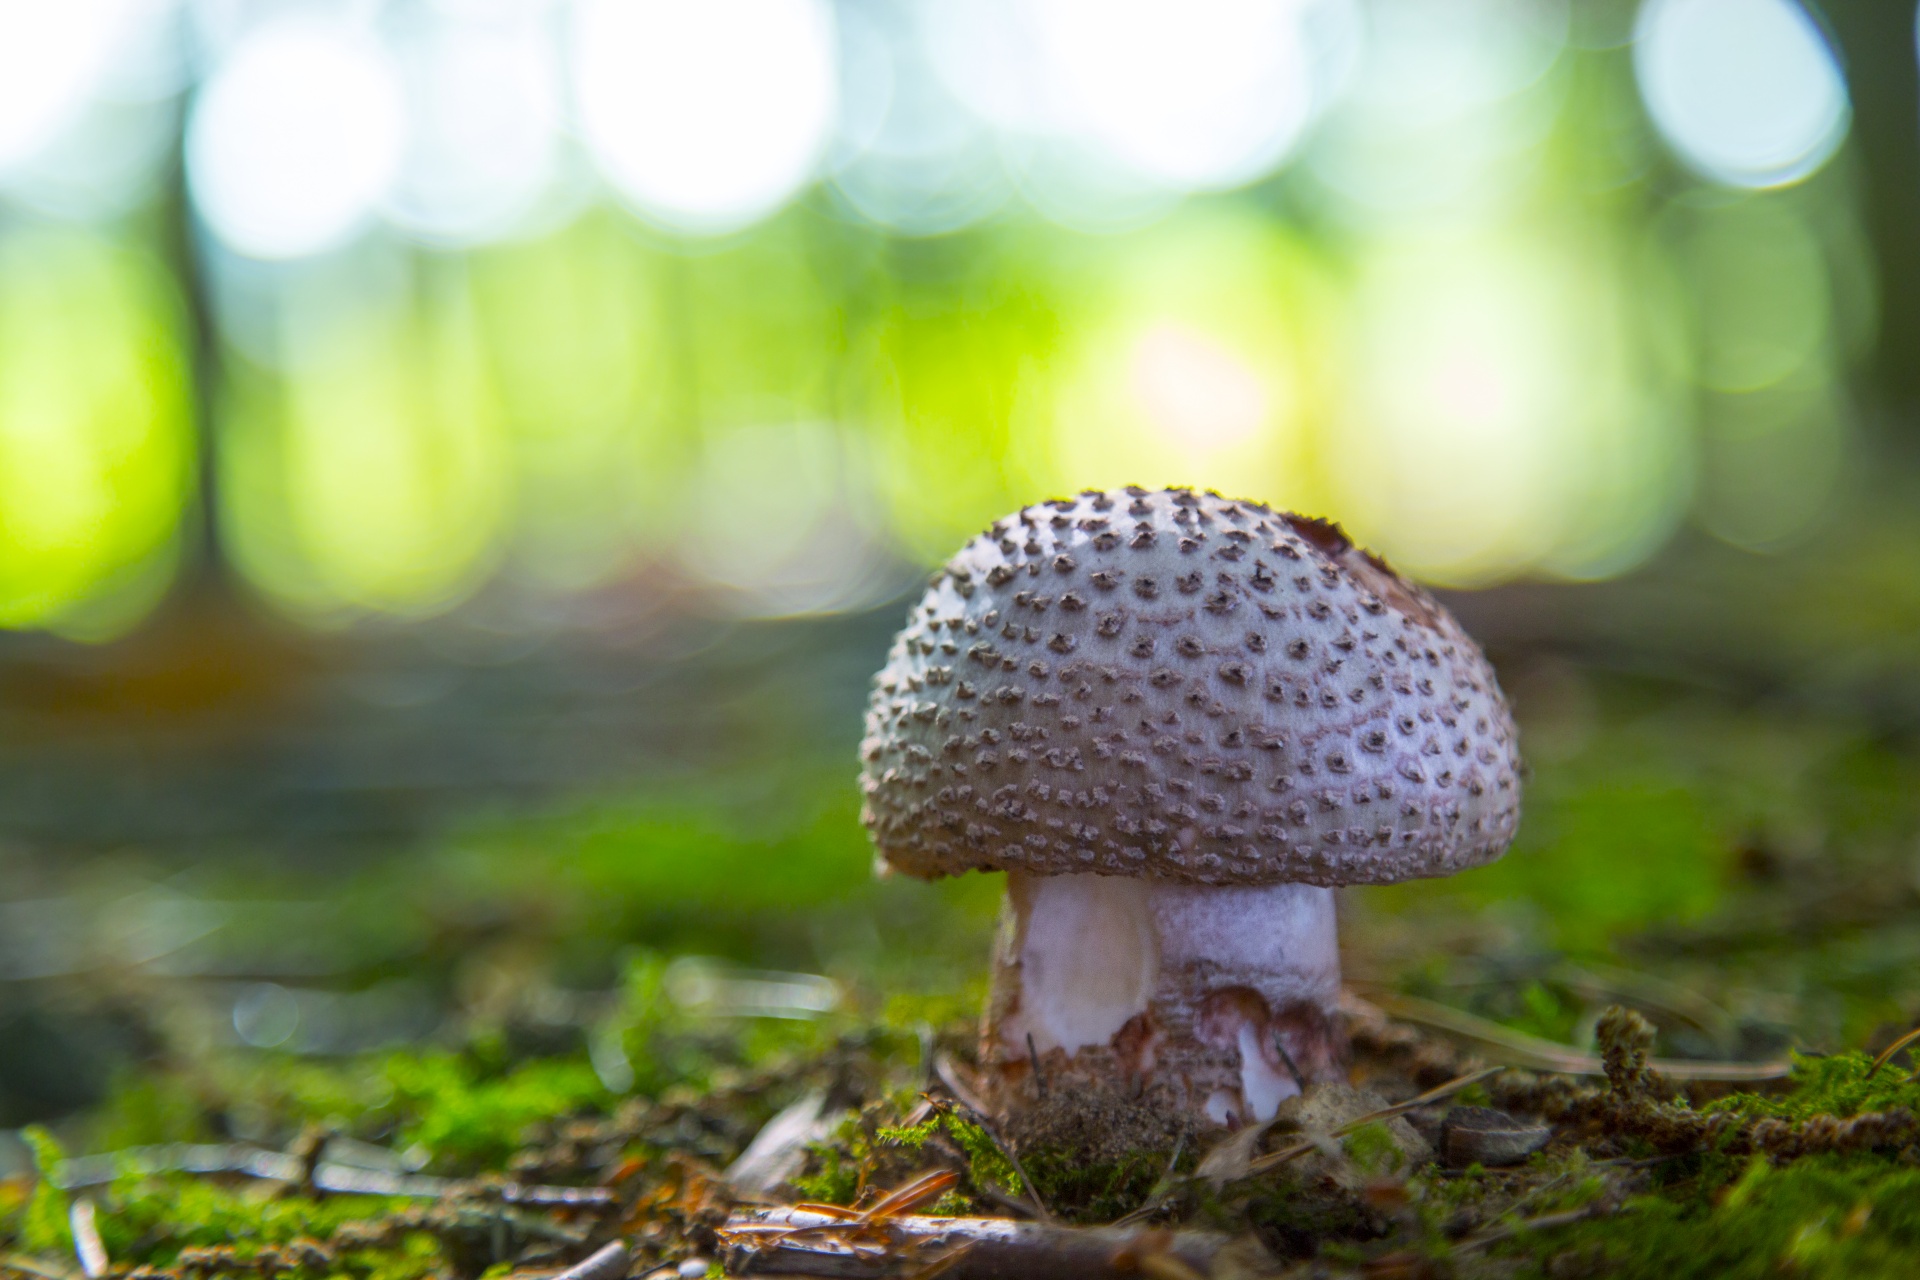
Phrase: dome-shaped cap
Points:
(1179, 686)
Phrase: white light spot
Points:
(295, 139)
(1195, 389)
(1445, 105)
(1746, 91)
(1209, 93)
(266, 1015)
(706, 116)
(908, 155)
(485, 108)
(53, 54)
(1203, 95)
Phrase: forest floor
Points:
(542, 1035)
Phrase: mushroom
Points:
(1177, 722)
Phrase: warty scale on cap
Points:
(1176, 685)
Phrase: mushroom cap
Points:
(1179, 686)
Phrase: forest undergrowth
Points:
(1703, 888)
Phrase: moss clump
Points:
(874, 1150)
(1835, 1085)
(474, 1118)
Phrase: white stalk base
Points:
(1223, 998)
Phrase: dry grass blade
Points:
(1518, 1049)
(949, 1073)
(1546, 1221)
(1274, 1159)
(1232, 1157)
(1438, 1093)
(1886, 1054)
(1613, 984)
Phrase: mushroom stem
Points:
(1220, 998)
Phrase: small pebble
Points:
(1485, 1136)
(693, 1268)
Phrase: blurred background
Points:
(460, 461)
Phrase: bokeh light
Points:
(1198, 95)
(484, 103)
(1417, 267)
(1758, 281)
(52, 57)
(1772, 462)
(1747, 92)
(908, 156)
(576, 351)
(373, 474)
(1446, 108)
(1192, 362)
(785, 522)
(96, 446)
(1502, 420)
(706, 116)
(295, 138)
(1179, 98)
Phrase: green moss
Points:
(148, 1221)
(1374, 1148)
(838, 1168)
(43, 1223)
(469, 1119)
(1098, 1190)
(146, 1108)
(986, 1165)
(1837, 1084)
(153, 1219)
(1823, 1216)
(414, 1258)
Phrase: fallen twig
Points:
(1518, 1049)
(804, 1240)
(328, 1175)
